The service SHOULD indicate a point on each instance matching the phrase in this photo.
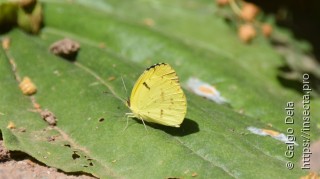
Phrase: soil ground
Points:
(18, 165)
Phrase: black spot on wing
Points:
(146, 85)
(153, 66)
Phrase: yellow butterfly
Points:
(157, 97)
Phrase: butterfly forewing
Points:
(157, 96)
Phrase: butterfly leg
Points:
(129, 115)
(144, 124)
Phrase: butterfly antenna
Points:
(111, 92)
(124, 85)
(115, 96)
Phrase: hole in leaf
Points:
(67, 145)
(75, 156)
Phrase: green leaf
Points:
(213, 140)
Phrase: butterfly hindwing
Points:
(157, 96)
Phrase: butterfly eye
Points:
(128, 102)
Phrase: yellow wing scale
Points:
(157, 96)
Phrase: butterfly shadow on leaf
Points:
(187, 127)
